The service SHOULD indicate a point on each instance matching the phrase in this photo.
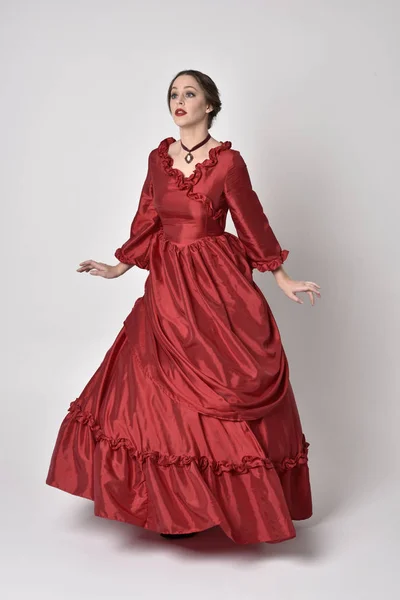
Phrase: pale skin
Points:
(186, 93)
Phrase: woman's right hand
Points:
(102, 270)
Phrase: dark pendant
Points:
(189, 157)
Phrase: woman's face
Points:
(187, 96)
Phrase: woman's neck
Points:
(191, 138)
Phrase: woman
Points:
(190, 420)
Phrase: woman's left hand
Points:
(291, 288)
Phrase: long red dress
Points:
(190, 420)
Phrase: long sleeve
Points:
(135, 251)
(251, 223)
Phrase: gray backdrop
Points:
(310, 92)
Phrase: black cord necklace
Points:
(189, 157)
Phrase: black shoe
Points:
(178, 535)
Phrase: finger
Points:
(305, 288)
(92, 264)
(85, 266)
(313, 283)
(95, 264)
(83, 269)
(311, 296)
(296, 299)
(316, 291)
(312, 288)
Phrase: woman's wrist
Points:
(280, 274)
(121, 268)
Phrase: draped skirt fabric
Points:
(160, 438)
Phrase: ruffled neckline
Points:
(181, 180)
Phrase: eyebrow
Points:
(186, 86)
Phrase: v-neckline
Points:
(182, 179)
(196, 164)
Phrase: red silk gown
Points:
(190, 420)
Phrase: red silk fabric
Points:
(212, 339)
(196, 386)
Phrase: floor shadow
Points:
(212, 542)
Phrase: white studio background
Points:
(310, 93)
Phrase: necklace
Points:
(189, 157)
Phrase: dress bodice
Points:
(187, 209)
(190, 207)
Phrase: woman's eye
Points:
(174, 94)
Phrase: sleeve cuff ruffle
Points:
(269, 265)
(141, 262)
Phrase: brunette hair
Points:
(209, 88)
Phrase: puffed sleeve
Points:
(251, 223)
(135, 251)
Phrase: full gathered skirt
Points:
(177, 463)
